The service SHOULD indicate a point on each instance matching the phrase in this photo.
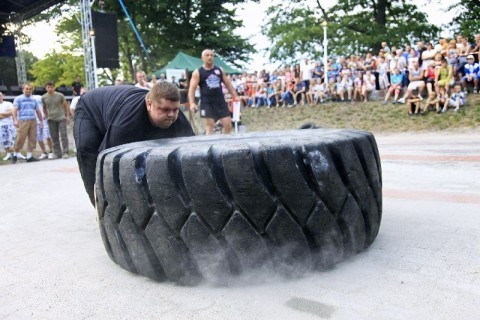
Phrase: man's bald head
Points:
(207, 57)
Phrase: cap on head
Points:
(470, 57)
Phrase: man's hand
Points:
(193, 107)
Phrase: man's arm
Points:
(67, 109)
(191, 90)
(229, 85)
(40, 118)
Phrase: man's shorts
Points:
(473, 76)
(7, 136)
(43, 134)
(214, 109)
(414, 84)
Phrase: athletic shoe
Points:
(394, 102)
(384, 101)
(14, 159)
(52, 156)
(7, 157)
(466, 91)
(475, 91)
(43, 156)
(21, 156)
(65, 156)
(32, 159)
(401, 100)
(420, 97)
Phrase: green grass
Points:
(370, 116)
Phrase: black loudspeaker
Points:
(8, 72)
(106, 39)
(7, 47)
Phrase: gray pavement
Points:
(424, 264)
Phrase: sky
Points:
(44, 39)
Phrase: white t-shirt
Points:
(306, 70)
(73, 105)
(5, 107)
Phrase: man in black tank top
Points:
(213, 105)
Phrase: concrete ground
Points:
(424, 264)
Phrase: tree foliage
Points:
(166, 26)
(466, 22)
(354, 26)
(60, 68)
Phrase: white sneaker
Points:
(42, 156)
(401, 100)
(420, 97)
(7, 157)
(21, 156)
(51, 156)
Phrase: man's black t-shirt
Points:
(120, 114)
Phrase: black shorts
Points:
(214, 109)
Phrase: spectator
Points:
(382, 70)
(414, 103)
(429, 76)
(7, 129)
(368, 84)
(416, 82)
(433, 102)
(287, 95)
(306, 73)
(471, 70)
(428, 55)
(182, 82)
(463, 52)
(118, 82)
(443, 76)
(348, 86)
(395, 86)
(56, 110)
(385, 47)
(456, 100)
(76, 86)
(142, 81)
(296, 72)
(339, 91)
(299, 93)
(272, 96)
(24, 109)
(311, 92)
(452, 53)
(320, 91)
(43, 132)
(420, 50)
(358, 86)
(154, 80)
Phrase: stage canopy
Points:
(24, 9)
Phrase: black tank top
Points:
(211, 84)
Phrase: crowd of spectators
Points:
(443, 73)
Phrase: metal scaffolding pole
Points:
(88, 41)
(19, 59)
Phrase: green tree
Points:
(466, 22)
(61, 68)
(354, 26)
(30, 60)
(166, 26)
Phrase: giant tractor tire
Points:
(212, 207)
